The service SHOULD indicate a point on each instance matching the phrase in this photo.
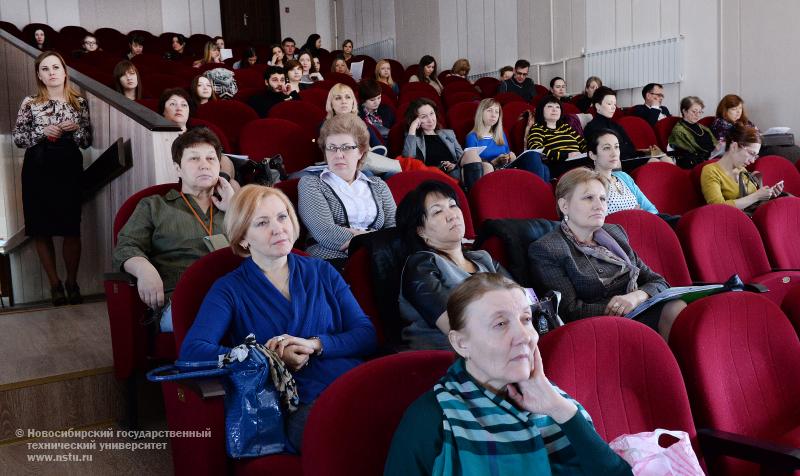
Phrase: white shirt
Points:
(660, 111)
(356, 197)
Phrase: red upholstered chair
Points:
(778, 222)
(541, 91)
(223, 139)
(512, 111)
(462, 129)
(396, 137)
(230, 116)
(640, 132)
(453, 98)
(111, 40)
(197, 405)
(512, 193)
(738, 354)
(488, 86)
(325, 85)
(249, 77)
(155, 83)
(316, 96)
(266, 137)
(569, 108)
(304, 114)
(656, 243)
(462, 112)
(505, 98)
(343, 79)
(457, 84)
(368, 70)
(197, 42)
(404, 182)
(622, 372)
(412, 91)
(151, 104)
(516, 137)
(670, 188)
(707, 121)
(352, 423)
(791, 306)
(129, 344)
(720, 240)
(774, 168)
(358, 274)
(663, 129)
(398, 71)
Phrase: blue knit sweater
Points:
(492, 148)
(245, 301)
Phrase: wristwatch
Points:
(321, 349)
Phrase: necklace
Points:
(691, 128)
(617, 184)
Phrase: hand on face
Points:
(537, 394)
(225, 191)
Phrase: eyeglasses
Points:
(658, 95)
(751, 153)
(89, 43)
(332, 149)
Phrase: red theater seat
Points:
(488, 86)
(639, 131)
(670, 188)
(663, 129)
(264, 138)
(774, 168)
(230, 116)
(778, 221)
(304, 114)
(512, 193)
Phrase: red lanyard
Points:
(210, 228)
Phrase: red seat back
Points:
(358, 274)
(404, 182)
(774, 168)
(670, 188)
(655, 243)
(512, 193)
(341, 78)
(316, 96)
(663, 129)
(455, 84)
(230, 116)
(707, 121)
(640, 132)
(640, 386)
(512, 111)
(738, 355)
(127, 208)
(719, 241)
(541, 91)
(153, 84)
(304, 114)
(791, 306)
(505, 98)
(488, 86)
(569, 108)
(451, 99)
(266, 137)
(249, 77)
(223, 139)
(462, 112)
(778, 222)
(362, 408)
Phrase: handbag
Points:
(647, 457)
(545, 313)
(254, 405)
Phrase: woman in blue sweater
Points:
(623, 193)
(488, 132)
(300, 307)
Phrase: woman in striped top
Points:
(552, 135)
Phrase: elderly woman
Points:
(495, 411)
(299, 306)
(53, 125)
(692, 141)
(438, 147)
(342, 202)
(127, 81)
(176, 105)
(427, 73)
(623, 193)
(383, 73)
(549, 133)
(728, 181)
(431, 221)
(592, 263)
(167, 233)
(585, 101)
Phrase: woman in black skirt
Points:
(52, 124)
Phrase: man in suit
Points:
(652, 111)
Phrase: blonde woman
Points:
(211, 54)
(52, 125)
(488, 132)
(341, 100)
(383, 73)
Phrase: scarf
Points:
(608, 250)
(486, 435)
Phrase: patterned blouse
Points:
(620, 197)
(32, 118)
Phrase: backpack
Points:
(224, 83)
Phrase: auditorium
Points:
(270, 235)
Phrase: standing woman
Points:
(52, 124)
(427, 73)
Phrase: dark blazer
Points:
(649, 114)
(557, 264)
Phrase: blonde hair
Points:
(461, 66)
(339, 88)
(210, 46)
(349, 124)
(570, 181)
(480, 128)
(389, 80)
(243, 207)
(69, 93)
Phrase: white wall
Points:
(156, 16)
(366, 21)
(417, 25)
(301, 20)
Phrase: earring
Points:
(244, 245)
(566, 217)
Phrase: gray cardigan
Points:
(325, 217)
(417, 141)
(557, 264)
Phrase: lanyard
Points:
(210, 228)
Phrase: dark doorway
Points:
(250, 22)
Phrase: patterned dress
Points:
(51, 172)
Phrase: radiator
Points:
(378, 50)
(636, 65)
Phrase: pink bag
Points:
(646, 457)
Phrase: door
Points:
(250, 22)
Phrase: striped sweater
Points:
(557, 143)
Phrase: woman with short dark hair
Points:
(426, 73)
